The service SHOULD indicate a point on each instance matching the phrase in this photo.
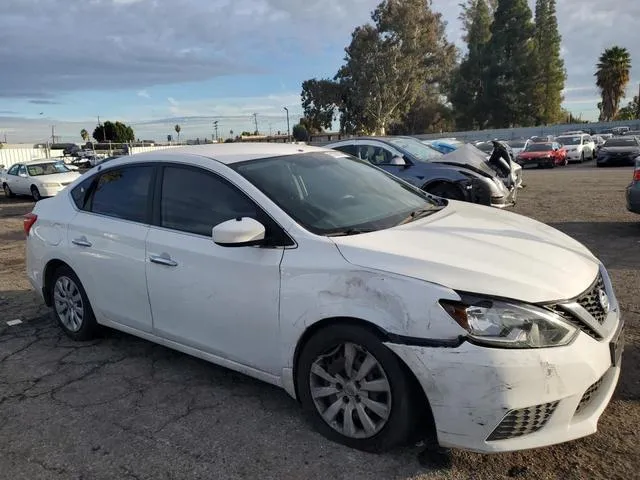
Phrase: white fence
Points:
(10, 156)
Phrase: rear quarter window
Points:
(80, 193)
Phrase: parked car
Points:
(363, 297)
(633, 190)
(461, 175)
(38, 178)
(517, 146)
(620, 130)
(547, 155)
(444, 145)
(542, 139)
(619, 151)
(579, 147)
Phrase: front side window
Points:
(329, 193)
(14, 170)
(123, 193)
(22, 170)
(416, 149)
(195, 201)
(350, 149)
(375, 154)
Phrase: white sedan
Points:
(38, 178)
(371, 302)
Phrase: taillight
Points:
(29, 220)
(636, 174)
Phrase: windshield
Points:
(417, 149)
(570, 140)
(332, 193)
(485, 147)
(516, 144)
(621, 142)
(46, 169)
(539, 147)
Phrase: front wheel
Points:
(355, 390)
(35, 194)
(582, 158)
(445, 190)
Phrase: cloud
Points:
(139, 44)
(44, 102)
(143, 94)
(8, 112)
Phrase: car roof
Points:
(228, 153)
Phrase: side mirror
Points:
(239, 232)
(23, 175)
(398, 161)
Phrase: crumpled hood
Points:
(481, 250)
(468, 155)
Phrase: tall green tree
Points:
(468, 85)
(612, 78)
(631, 111)
(84, 134)
(320, 101)
(177, 129)
(114, 132)
(550, 73)
(511, 73)
(389, 63)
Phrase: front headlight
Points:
(509, 324)
(50, 185)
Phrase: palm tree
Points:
(177, 129)
(612, 78)
(84, 134)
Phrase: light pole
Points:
(288, 131)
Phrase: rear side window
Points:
(195, 201)
(80, 193)
(348, 149)
(124, 193)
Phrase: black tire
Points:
(400, 421)
(582, 158)
(88, 328)
(445, 190)
(35, 193)
(7, 191)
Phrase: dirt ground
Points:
(124, 408)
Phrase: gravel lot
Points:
(124, 408)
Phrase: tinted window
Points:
(80, 193)
(350, 149)
(195, 201)
(375, 154)
(13, 170)
(123, 193)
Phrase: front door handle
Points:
(81, 242)
(163, 260)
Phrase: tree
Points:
(510, 79)
(177, 129)
(467, 94)
(631, 111)
(550, 72)
(300, 133)
(612, 77)
(320, 100)
(389, 63)
(84, 134)
(114, 132)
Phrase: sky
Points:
(155, 63)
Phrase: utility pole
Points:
(288, 130)
(53, 134)
(215, 126)
(255, 119)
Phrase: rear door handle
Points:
(163, 260)
(81, 242)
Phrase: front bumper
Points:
(616, 159)
(537, 162)
(541, 397)
(50, 191)
(633, 197)
(574, 155)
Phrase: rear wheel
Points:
(445, 190)
(71, 307)
(35, 194)
(7, 191)
(355, 390)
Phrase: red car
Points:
(548, 154)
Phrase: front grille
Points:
(588, 396)
(523, 421)
(569, 317)
(590, 301)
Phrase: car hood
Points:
(620, 149)
(535, 154)
(66, 177)
(469, 156)
(482, 250)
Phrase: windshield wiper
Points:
(419, 213)
(350, 231)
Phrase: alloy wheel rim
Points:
(351, 391)
(68, 303)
